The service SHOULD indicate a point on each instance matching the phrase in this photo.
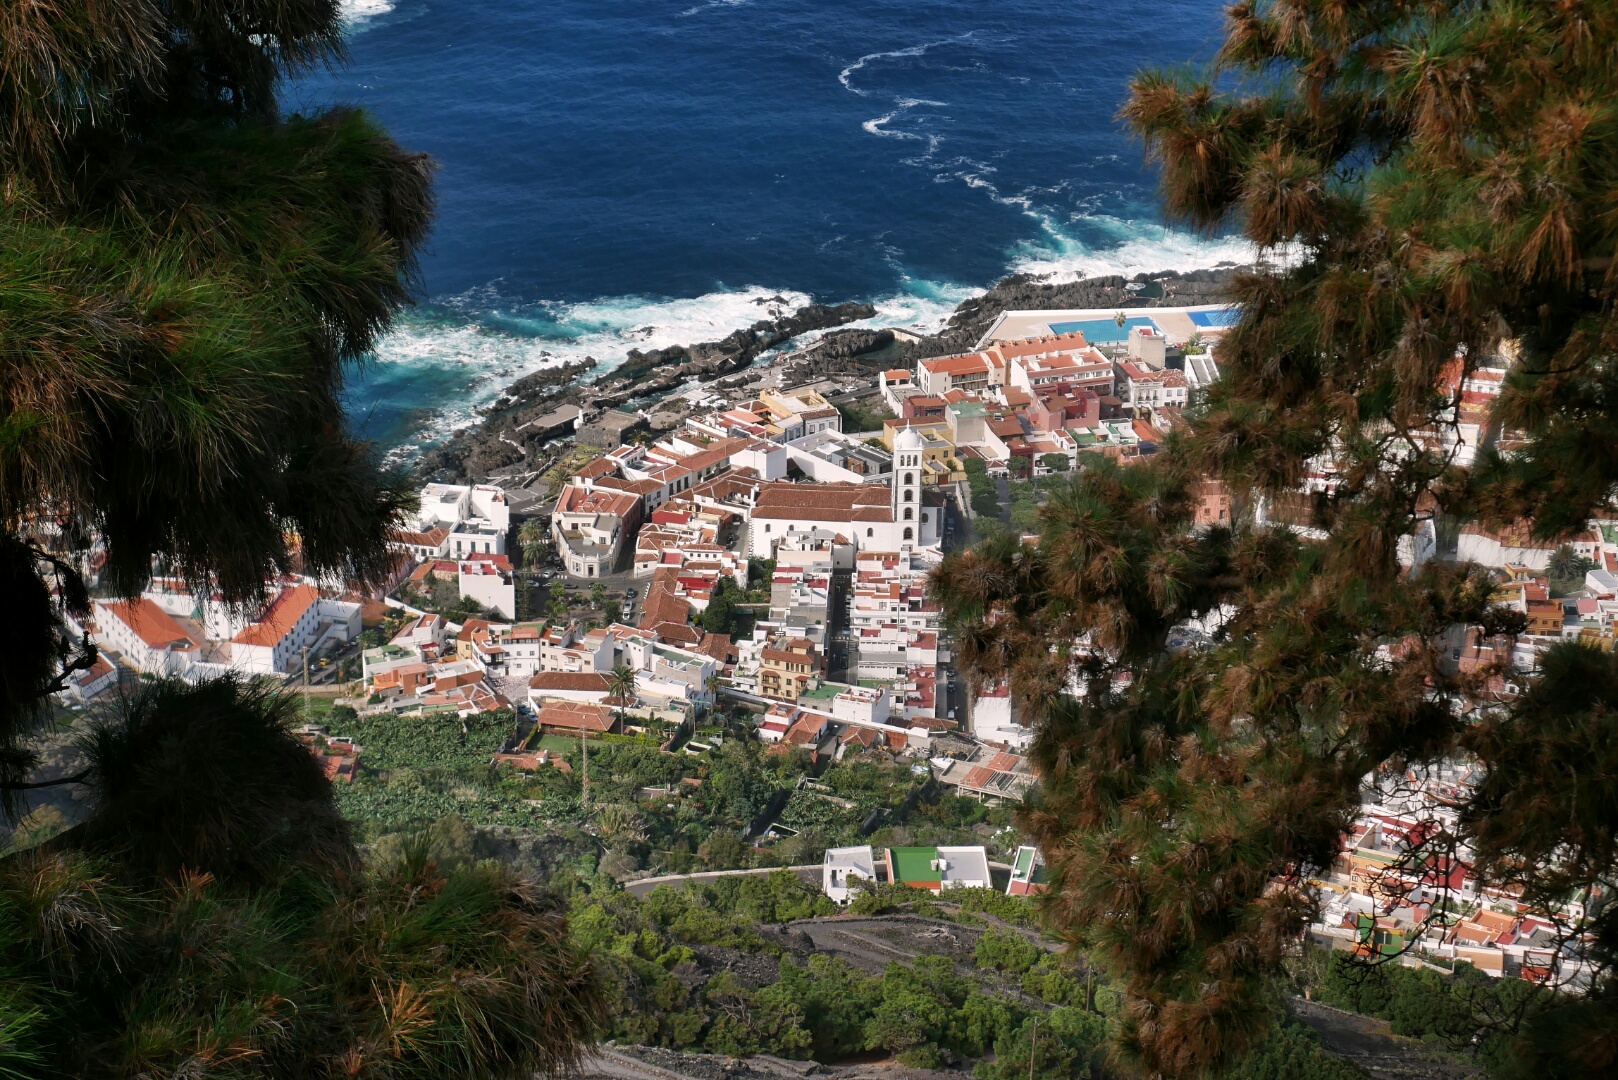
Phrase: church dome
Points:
(908, 439)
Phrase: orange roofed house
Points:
(273, 640)
(146, 636)
(591, 527)
(576, 717)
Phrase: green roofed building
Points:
(1027, 873)
(938, 868)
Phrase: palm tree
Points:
(621, 687)
(186, 275)
(712, 684)
(534, 540)
(618, 824)
(259, 846)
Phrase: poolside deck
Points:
(1177, 323)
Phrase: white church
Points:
(880, 517)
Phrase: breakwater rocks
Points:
(526, 413)
(659, 370)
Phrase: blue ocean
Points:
(618, 174)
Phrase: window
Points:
(909, 513)
(910, 496)
(924, 517)
(766, 528)
(909, 533)
(872, 532)
(909, 479)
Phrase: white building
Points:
(889, 517)
(564, 648)
(146, 636)
(1146, 389)
(1512, 546)
(995, 720)
(91, 682)
(458, 519)
(590, 528)
(898, 386)
(423, 636)
(860, 705)
(173, 596)
(297, 622)
(489, 582)
(843, 868)
(939, 868)
(831, 457)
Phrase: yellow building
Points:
(939, 464)
(786, 668)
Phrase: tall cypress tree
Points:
(1440, 178)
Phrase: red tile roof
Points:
(151, 624)
(279, 618)
(576, 716)
(569, 680)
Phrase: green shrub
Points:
(1007, 952)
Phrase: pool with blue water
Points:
(1103, 331)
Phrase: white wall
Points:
(494, 591)
(993, 721)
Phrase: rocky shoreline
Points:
(512, 432)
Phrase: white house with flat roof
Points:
(490, 583)
(844, 868)
(860, 705)
(458, 520)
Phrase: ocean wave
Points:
(901, 106)
(710, 5)
(846, 76)
(1124, 247)
(356, 13)
(443, 362)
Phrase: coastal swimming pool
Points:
(1220, 318)
(1102, 331)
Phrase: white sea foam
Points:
(846, 76)
(488, 351)
(492, 347)
(356, 13)
(1130, 247)
(710, 5)
(878, 126)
